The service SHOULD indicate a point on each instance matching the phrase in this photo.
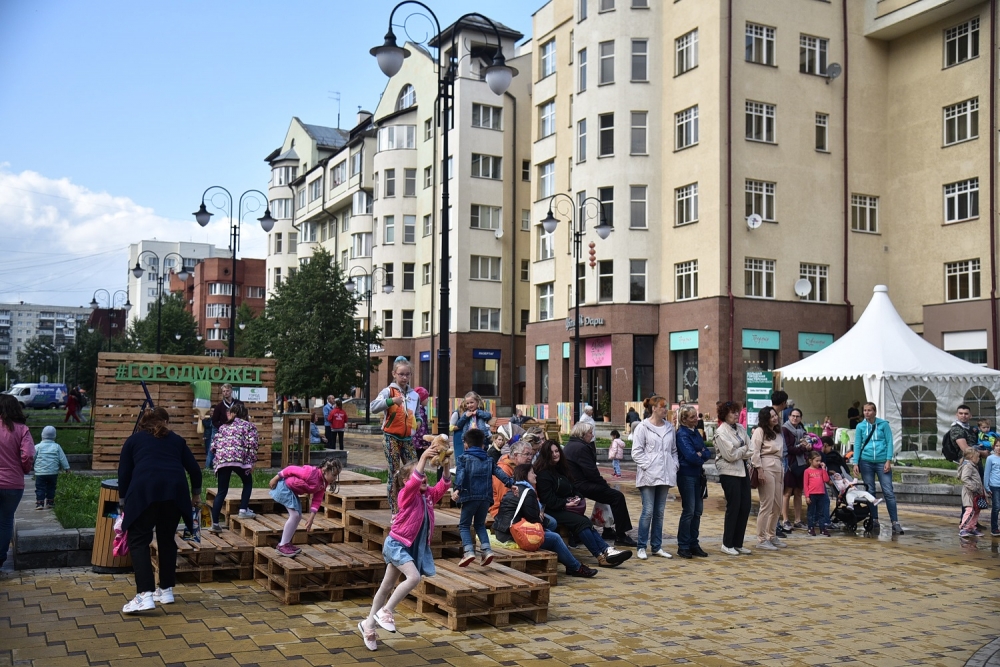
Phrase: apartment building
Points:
(20, 322)
(175, 256)
(762, 171)
(374, 204)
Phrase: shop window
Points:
(425, 374)
(486, 377)
(918, 412)
(759, 360)
(642, 366)
(542, 377)
(686, 375)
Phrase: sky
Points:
(116, 115)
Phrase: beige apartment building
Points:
(765, 164)
(371, 196)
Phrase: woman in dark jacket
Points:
(155, 496)
(555, 490)
(796, 449)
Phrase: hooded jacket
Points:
(654, 451)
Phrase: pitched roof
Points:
(476, 23)
(326, 137)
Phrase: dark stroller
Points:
(849, 517)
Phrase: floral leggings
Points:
(398, 452)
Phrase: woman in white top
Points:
(765, 455)
(654, 450)
(732, 450)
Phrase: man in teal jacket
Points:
(873, 452)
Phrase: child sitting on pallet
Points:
(474, 473)
(289, 484)
(407, 549)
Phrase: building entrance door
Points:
(597, 390)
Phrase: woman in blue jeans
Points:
(692, 453)
(874, 450)
(654, 451)
(17, 457)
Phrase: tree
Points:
(141, 334)
(38, 357)
(245, 315)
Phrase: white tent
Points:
(902, 374)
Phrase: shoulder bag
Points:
(529, 536)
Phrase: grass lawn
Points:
(930, 463)
(72, 440)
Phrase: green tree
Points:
(38, 357)
(141, 334)
(245, 316)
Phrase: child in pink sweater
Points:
(407, 549)
(294, 481)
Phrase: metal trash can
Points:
(108, 509)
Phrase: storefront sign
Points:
(586, 322)
(541, 353)
(759, 388)
(597, 351)
(759, 339)
(425, 356)
(485, 354)
(684, 340)
(252, 394)
(814, 342)
(134, 372)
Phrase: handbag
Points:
(529, 536)
(754, 477)
(119, 547)
(579, 508)
(981, 502)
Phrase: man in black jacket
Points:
(581, 456)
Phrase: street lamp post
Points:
(390, 58)
(112, 300)
(202, 215)
(161, 275)
(351, 287)
(579, 221)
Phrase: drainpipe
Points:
(513, 249)
(993, 196)
(729, 200)
(849, 312)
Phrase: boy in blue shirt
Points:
(474, 472)
(49, 460)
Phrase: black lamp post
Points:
(112, 301)
(579, 221)
(202, 215)
(351, 287)
(161, 275)
(390, 58)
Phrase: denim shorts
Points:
(282, 494)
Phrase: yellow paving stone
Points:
(38, 652)
(138, 662)
(113, 653)
(272, 638)
(66, 661)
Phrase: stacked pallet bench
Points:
(225, 552)
(369, 528)
(349, 477)
(326, 570)
(264, 530)
(261, 501)
(541, 564)
(491, 594)
(354, 497)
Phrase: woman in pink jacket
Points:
(17, 457)
(295, 481)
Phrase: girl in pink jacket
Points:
(407, 549)
(295, 481)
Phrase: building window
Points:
(961, 43)
(428, 129)
(316, 189)
(864, 213)
(484, 268)
(486, 166)
(686, 280)
(812, 55)
(408, 276)
(409, 182)
(338, 174)
(605, 280)
(407, 324)
(277, 278)
(637, 207)
(393, 137)
(425, 322)
(486, 116)
(407, 98)
(606, 134)
(525, 316)
(582, 15)
(961, 200)
(637, 145)
(526, 170)
(546, 301)
(485, 217)
(640, 50)
(284, 175)
(759, 44)
(361, 205)
(581, 70)
(607, 198)
(387, 324)
(281, 208)
(962, 280)
(356, 159)
(546, 244)
(425, 272)
(606, 69)
(213, 310)
(427, 225)
(525, 220)
(687, 127)
(525, 271)
(409, 229)
(389, 273)
(961, 121)
(760, 199)
(343, 260)
(547, 179)
(388, 230)
(428, 178)
(686, 47)
(300, 198)
(637, 280)
(687, 204)
(581, 140)
(547, 119)
(222, 289)
(361, 245)
(484, 319)
(255, 293)
(759, 278)
(548, 60)
(818, 277)
(760, 121)
(605, 5)
(822, 132)
(390, 182)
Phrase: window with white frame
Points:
(605, 280)
(281, 209)
(484, 319)
(606, 64)
(686, 280)
(961, 121)
(818, 276)
(361, 204)
(546, 244)
(427, 225)
(390, 273)
(486, 166)
(277, 277)
(343, 260)
(387, 324)
(813, 54)
(961, 200)
(686, 47)
(637, 207)
(759, 278)
(409, 229)
(962, 280)
(277, 243)
(428, 129)
(356, 159)
(525, 270)
(636, 280)
(864, 213)
(338, 174)
(525, 220)
(293, 242)
(581, 70)
(640, 53)
(760, 122)
(546, 179)
(390, 183)
(546, 301)
(637, 143)
(255, 292)
(484, 268)
(211, 333)
(759, 44)
(409, 182)
(961, 43)
(582, 11)
(361, 245)
(425, 274)
(687, 127)
(606, 134)
(345, 223)
(548, 59)
(222, 289)
(606, 196)
(394, 137)
(407, 98)
(388, 230)
(760, 199)
(640, 4)
(300, 198)
(605, 5)
(581, 140)
(428, 178)
(425, 322)
(409, 276)
(547, 119)
(486, 116)
(485, 217)
(316, 189)
(213, 310)
(822, 132)
(687, 204)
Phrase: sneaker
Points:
(897, 529)
(163, 595)
(977, 533)
(744, 551)
(812, 531)
(385, 619)
(486, 559)
(50, 504)
(766, 546)
(662, 554)
(39, 506)
(641, 554)
(787, 526)
(583, 571)
(798, 525)
(684, 553)
(625, 541)
(247, 514)
(878, 501)
(729, 551)
(467, 559)
(141, 602)
(216, 528)
(780, 532)
(876, 528)
(778, 542)
(699, 552)
(613, 557)
(288, 550)
(995, 533)
(964, 533)
(370, 637)
(826, 532)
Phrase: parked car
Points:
(40, 395)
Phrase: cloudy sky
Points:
(116, 115)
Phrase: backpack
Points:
(950, 450)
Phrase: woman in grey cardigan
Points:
(654, 450)
(732, 448)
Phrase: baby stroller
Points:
(850, 517)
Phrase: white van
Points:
(40, 395)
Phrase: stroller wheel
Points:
(851, 527)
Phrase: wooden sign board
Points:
(119, 396)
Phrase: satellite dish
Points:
(498, 233)
(754, 220)
(803, 287)
(833, 71)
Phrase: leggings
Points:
(398, 452)
(223, 473)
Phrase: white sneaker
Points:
(641, 554)
(766, 546)
(141, 602)
(164, 595)
(247, 514)
(729, 551)
(662, 554)
(778, 542)
(744, 551)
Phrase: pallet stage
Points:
(261, 502)
(351, 478)
(491, 594)
(264, 530)
(369, 528)
(326, 570)
(225, 552)
(354, 497)
(542, 564)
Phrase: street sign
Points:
(759, 387)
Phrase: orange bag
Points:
(529, 536)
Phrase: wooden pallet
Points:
(261, 502)
(225, 552)
(491, 594)
(351, 478)
(542, 564)
(369, 528)
(264, 530)
(354, 497)
(326, 570)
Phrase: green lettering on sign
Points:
(244, 375)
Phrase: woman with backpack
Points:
(399, 403)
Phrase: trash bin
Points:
(108, 509)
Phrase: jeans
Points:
(45, 488)
(868, 472)
(616, 464)
(548, 523)
(336, 436)
(474, 513)
(737, 493)
(9, 498)
(209, 434)
(224, 474)
(995, 510)
(161, 516)
(653, 500)
(819, 510)
(692, 505)
(553, 542)
(593, 541)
